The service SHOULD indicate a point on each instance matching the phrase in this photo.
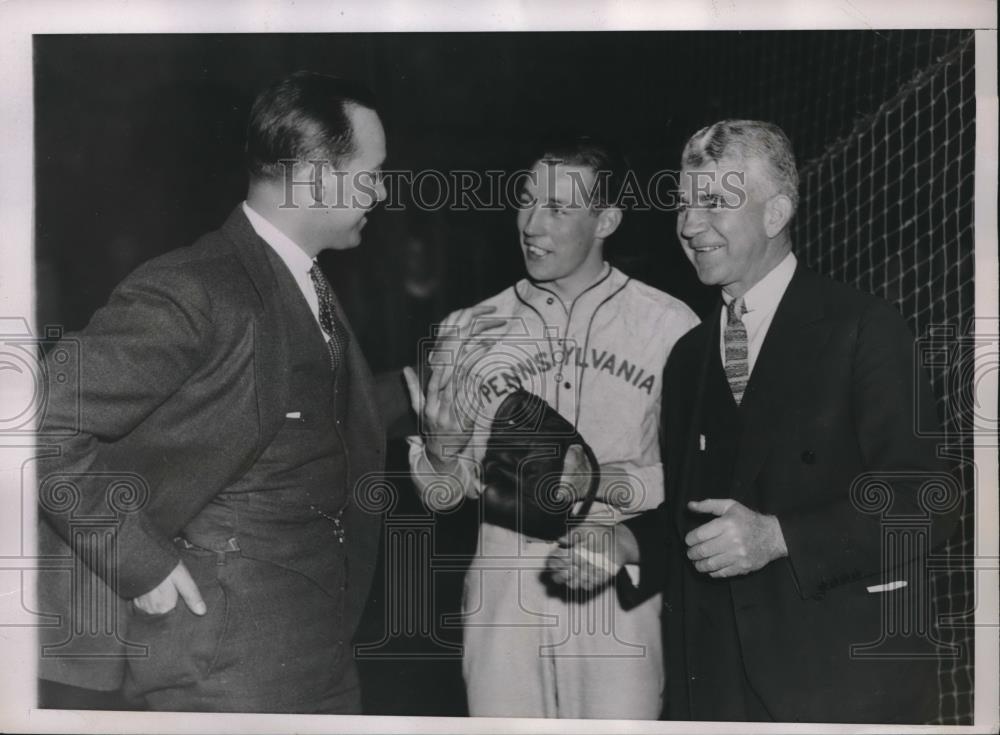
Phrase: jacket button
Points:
(550, 301)
(809, 456)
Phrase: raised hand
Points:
(737, 541)
(443, 421)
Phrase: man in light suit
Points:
(223, 393)
(799, 408)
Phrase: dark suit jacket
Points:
(183, 382)
(834, 398)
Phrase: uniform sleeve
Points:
(682, 320)
(133, 356)
(442, 491)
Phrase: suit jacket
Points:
(829, 413)
(183, 382)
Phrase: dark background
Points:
(138, 146)
(139, 142)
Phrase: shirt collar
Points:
(292, 255)
(764, 295)
(535, 294)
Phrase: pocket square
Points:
(887, 587)
(294, 415)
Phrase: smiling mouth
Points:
(705, 248)
(535, 252)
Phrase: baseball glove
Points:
(523, 469)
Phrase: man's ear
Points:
(608, 220)
(777, 214)
(309, 182)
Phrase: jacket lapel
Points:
(793, 342)
(365, 440)
(269, 338)
(363, 408)
(708, 334)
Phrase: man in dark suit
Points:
(224, 419)
(790, 420)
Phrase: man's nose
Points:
(692, 221)
(531, 220)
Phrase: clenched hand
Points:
(737, 541)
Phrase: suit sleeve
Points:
(653, 536)
(653, 529)
(834, 543)
(133, 356)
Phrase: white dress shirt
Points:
(761, 302)
(294, 257)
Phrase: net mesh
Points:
(889, 209)
(884, 129)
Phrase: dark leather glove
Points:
(523, 469)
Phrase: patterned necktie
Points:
(737, 362)
(336, 332)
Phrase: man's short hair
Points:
(600, 156)
(303, 117)
(747, 139)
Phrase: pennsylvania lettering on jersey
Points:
(518, 371)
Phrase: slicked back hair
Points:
(745, 139)
(303, 117)
(602, 157)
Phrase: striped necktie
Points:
(737, 362)
(337, 337)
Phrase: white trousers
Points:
(532, 653)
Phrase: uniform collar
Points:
(540, 296)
